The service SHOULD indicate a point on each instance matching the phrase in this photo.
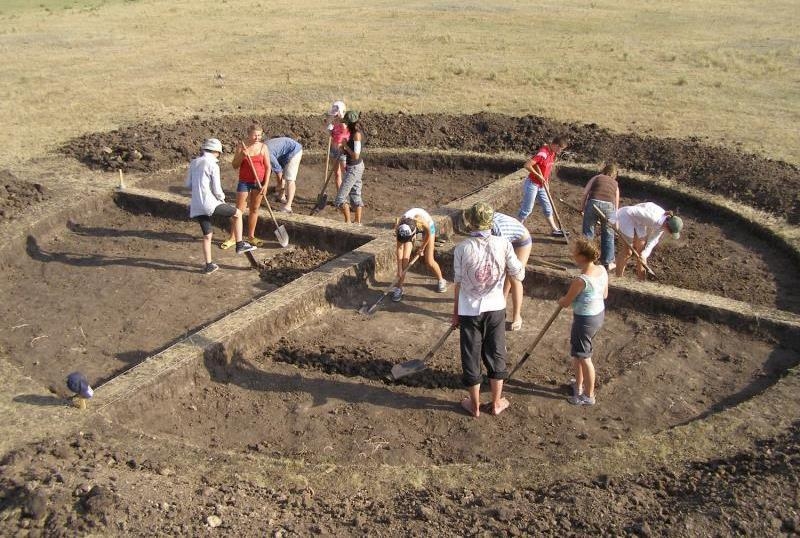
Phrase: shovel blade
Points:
(322, 202)
(282, 236)
(252, 260)
(407, 368)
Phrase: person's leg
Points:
(355, 193)
(523, 253)
(606, 234)
(236, 226)
(470, 332)
(345, 209)
(589, 220)
(638, 246)
(241, 204)
(290, 177)
(343, 193)
(359, 214)
(576, 366)
(339, 173)
(403, 254)
(207, 247)
(252, 218)
(623, 256)
(529, 190)
(494, 357)
(430, 262)
(587, 372)
(547, 209)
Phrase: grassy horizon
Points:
(727, 73)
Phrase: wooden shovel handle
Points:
(439, 343)
(530, 349)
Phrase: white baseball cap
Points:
(212, 144)
(338, 108)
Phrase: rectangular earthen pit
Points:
(117, 285)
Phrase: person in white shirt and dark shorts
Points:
(480, 266)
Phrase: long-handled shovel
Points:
(368, 311)
(530, 349)
(417, 365)
(280, 231)
(622, 238)
(322, 197)
(570, 206)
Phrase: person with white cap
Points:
(642, 225)
(416, 221)
(339, 134)
(208, 200)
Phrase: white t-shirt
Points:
(480, 265)
(203, 178)
(643, 220)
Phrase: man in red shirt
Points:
(539, 167)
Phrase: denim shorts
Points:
(246, 187)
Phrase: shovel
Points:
(368, 311)
(322, 197)
(417, 365)
(280, 231)
(530, 349)
(622, 238)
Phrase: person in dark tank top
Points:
(602, 192)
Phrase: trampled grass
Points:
(727, 72)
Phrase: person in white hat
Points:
(339, 134)
(208, 200)
(416, 221)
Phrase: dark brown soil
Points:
(291, 264)
(16, 196)
(713, 255)
(762, 183)
(85, 297)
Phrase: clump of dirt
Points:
(16, 196)
(766, 184)
(85, 485)
(289, 265)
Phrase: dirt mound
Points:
(88, 485)
(763, 183)
(16, 196)
(292, 264)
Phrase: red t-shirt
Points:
(545, 158)
(246, 173)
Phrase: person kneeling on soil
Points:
(284, 157)
(642, 225)
(349, 194)
(208, 200)
(249, 157)
(586, 295)
(480, 265)
(416, 221)
(518, 235)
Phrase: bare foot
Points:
(470, 408)
(493, 409)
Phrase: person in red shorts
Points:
(539, 167)
(248, 192)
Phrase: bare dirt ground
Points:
(291, 441)
(85, 298)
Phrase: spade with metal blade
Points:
(322, 197)
(280, 231)
(417, 365)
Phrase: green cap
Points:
(351, 116)
(675, 225)
(479, 217)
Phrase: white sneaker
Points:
(442, 286)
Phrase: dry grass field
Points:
(725, 71)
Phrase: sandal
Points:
(225, 245)
(255, 241)
(517, 325)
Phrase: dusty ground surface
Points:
(16, 196)
(762, 183)
(387, 191)
(84, 298)
(713, 255)
(209, 457)
(305, 438)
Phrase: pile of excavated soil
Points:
(289, 265)
(16, 196)
(766, 184)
